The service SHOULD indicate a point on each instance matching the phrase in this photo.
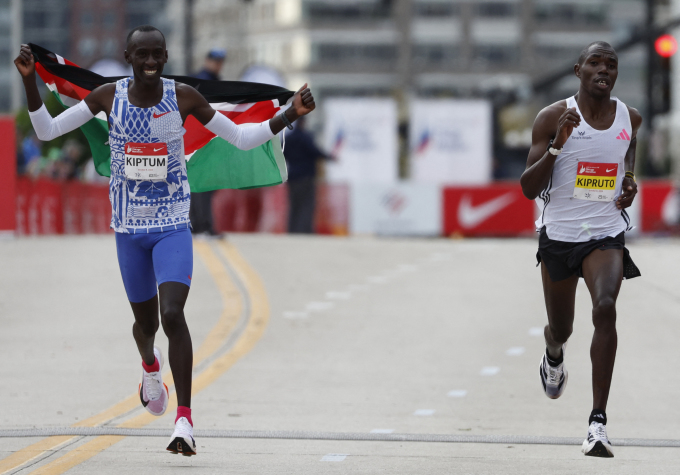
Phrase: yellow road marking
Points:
(232, 303)
(257, 322)
(232, 308)
(25, 455)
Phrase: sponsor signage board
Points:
(659, 205)
(361, 134)
(332, 209)
(402, 209)
(499, 209)
(49, 207)
(450, 141)
(8, 175)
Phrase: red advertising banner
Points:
(660, 210)
(499, 209)
(8, 174)
(48, 207)
(332, 209)
(266, 209)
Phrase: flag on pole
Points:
(212, 163)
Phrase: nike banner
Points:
(498, 209)
(212, 163)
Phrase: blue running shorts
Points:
(151, 259)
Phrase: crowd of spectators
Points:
(65, 158)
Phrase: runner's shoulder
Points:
(548, 116)
(105, 89)
(185, 90)
(103, 94)
(186, 93)
(635, 117)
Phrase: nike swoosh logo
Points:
(157, 149)
(471, 216)
(141, 391)
(610, 170)
(156, 116)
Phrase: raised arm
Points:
(191, 102)
(556, 123)
(47, 127)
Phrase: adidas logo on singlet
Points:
(623, 135)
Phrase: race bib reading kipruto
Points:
(596, 181)
(146, 161)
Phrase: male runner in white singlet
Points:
(580, 172)
(150, 198)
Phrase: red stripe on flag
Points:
(197, 135)
(259, 112)
(63, 86)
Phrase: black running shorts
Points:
(564, 259)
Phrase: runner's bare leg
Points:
(145, 327)
(173, 296)
(559, 303)
(603, 273)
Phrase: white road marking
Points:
(377, 279)
(536, 331)
(489, 370)
(338, 295)
(319, 306)
(295, 315)
(382, 431)
(423, 412)
(334, 457)
(457, 393)
(515, 351)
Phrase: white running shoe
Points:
(597, 444)
(182, 440)
(152, 390)
(553, 378)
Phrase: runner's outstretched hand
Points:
(303, 101)
(25, 62)
(628, 195)
(569, 120)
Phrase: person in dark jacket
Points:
(200, 212)
(302, 156)
(212, 65)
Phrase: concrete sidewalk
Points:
(408, 336)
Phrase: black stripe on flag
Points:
(234, 92)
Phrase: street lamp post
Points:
(188, 36)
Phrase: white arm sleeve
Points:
(47, 128)
(244, 138)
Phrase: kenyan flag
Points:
(212, 163)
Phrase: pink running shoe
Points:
(152, 390)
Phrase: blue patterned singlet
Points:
(141, 206)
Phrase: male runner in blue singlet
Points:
(580, 171)
(150, 197)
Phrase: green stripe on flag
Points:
(220, 165)
(217, 165)
(97, 134)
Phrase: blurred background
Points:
(424, 114)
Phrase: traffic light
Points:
(665, 46)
